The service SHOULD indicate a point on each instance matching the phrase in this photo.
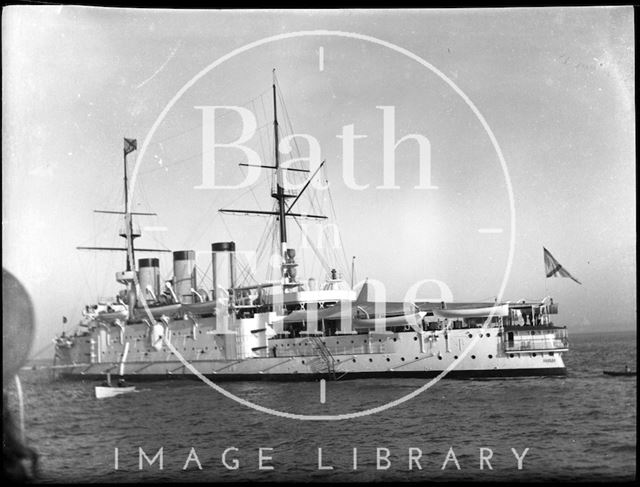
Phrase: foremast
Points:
(128, 233)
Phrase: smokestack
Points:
(218, 251)
(184, 274)
(149, 276)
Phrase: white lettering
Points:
(314, 162)
(320, 466)
(193, 457)
(389, 152)
(379, 458)
(520, 459)
(209, 146)
(415, 459)
(262, 458)
(142, 454)
(348, 163)
(235, 463)
(486, 458)
(450, 456)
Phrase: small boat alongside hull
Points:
(103, 392)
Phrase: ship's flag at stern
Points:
(553, 268)
(130, 145)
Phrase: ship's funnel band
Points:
(153, 262)
(223, 247)
(184, 255)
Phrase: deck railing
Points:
(523, 344)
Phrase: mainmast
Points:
(279, 195)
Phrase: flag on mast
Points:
(130, 145)
(553, 268)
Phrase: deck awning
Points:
(502, 310)
(345, 311)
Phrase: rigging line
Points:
(204, 276)
(313, 247)
(84, 273)
(251, 190)
(261, 242)
(270, 142)
(266, 243)
(263, 246)
(199, 126)
(335, 218)
(286, 116)
(226, 226)
(260, 134)
(246, 274)
(208, 212)
(193, 156)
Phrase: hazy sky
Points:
(555, 85)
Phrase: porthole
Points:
(415, 339)
(370, 360)
(480, 335)
(354, 360)
(550, 354)
(511, 355)
(533, 354)
(416, 358)
(395, 339)
(490, 356)
(388, 359)
(365, 341)
(455, 357)
(379, 339)
(439, 357)
(473, 356)
(488, 335)
(470, 335)
(303, 361)
(402, 358)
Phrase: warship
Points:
(291, 329)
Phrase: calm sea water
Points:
(582, 427)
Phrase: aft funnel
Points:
(221, 251)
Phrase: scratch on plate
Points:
(171, 54)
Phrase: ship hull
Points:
(454, 374)
(241, 350)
